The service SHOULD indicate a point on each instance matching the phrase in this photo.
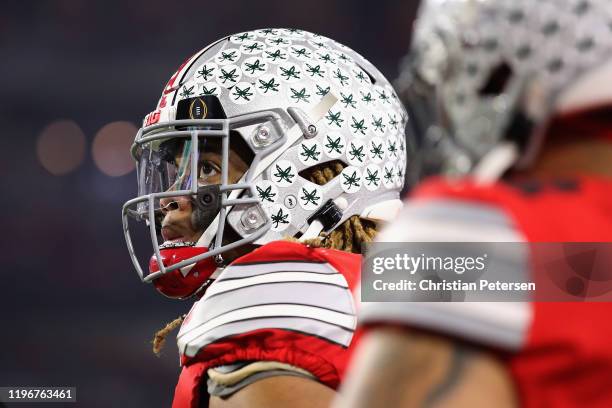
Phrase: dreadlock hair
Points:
(353, 232)
(347, 237)
(160, 337)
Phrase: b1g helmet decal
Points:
(294, 100)
(483, 78)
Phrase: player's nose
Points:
(168, 204)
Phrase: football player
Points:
(271, 156)
(513, 99)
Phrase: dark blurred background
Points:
(76, 79)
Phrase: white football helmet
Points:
(484, 77)
(289, 100)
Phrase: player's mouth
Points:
(174, 237)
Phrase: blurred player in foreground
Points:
(271, 156)
(513, 98)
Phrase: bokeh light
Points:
(61, 147)
(111, 148)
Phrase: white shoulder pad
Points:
(446, 220)
(498, 324)
(308, 297)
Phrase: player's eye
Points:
(208, 170)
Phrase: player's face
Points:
(177, 224)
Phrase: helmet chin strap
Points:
(326, 217)
(495, 163)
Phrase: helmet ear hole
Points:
(323, 173)
(497, 80)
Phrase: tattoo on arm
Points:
(405, 371)
(459, 358)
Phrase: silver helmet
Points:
(484, 77)
(292, 101)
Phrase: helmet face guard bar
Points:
(219, 128)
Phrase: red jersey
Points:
(283, 302)
(559, 354)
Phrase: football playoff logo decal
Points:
(198, 109)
